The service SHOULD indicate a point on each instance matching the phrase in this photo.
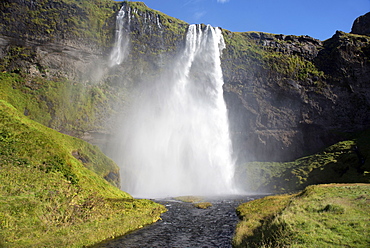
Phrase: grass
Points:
(190, 199)
(331, 215)
(253, 214)
(202, 205)
(58, 103)
(50, 198)
(344, 162)
(197, 201)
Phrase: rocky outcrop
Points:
(291, 96)
(362, 25)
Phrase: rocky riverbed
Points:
(185, 225)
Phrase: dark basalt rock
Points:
(362, 25)
(279, 117)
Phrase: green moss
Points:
(30, 144)
(69, 106)
(63, 105)
(14, 90)
(344, 162)
(320, 216)
(292, 66)
(253, 214)
(203, 205)
(252, 56)
(49, 197)
(50, 20)
(197, 201)
(191, 199)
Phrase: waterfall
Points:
(120, 48)
(175, 138)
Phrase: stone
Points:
(362, 25)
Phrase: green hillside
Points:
(50, 194)
(344, 162)
(332, 215)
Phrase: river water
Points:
(184, 225)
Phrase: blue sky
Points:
(316, 18)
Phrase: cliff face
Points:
(63, 37)
(291, 96)
(287, 95)
(362, 25)
(61, 50)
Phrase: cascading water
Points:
(175, 139)
(120, 49)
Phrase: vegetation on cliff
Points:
(59, 50)
(290, 96)
(274, 54)
(50, 20)
(344, 162)
(295, 97)
(60, 104)
(53, 190)
(332, 215)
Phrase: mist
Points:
(174, 138)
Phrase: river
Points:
(184, 225)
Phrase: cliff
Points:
(287, 96)
(60, 50)
(361, 25)
(290, 96)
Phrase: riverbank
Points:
(187, 225)
(53, 192)
(328, 215)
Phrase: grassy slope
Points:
(49, 198)
(59, 104)
(339, 163)
(332, 215)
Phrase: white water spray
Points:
(175, 140)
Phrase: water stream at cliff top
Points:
(175, 138)
(122, 38)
